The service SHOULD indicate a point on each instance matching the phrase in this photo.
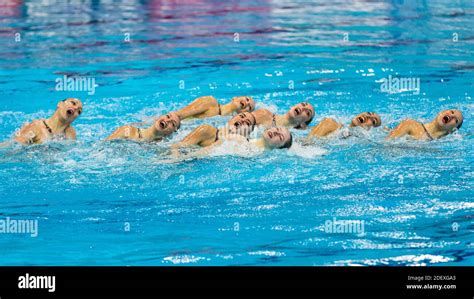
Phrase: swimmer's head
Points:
(277, 138)
(167, 124)
(366, 120)
(450, 120)
(69, 109)
(301, 114)
(243, 103)
(242, 123)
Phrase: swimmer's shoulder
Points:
(205, 135)
(331, 122)
(127, 128)
(411, 125)
(30, 132)
(263, 112)
(206, 129)
(35, 126)
(123, 132)
(208, 99)
(325, 127)
(410, 122)
(408, 127)
(263, 116)
(34, 123)
(211, 106)
(205, 132)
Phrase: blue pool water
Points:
(122, 204)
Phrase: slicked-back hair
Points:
(289, 143)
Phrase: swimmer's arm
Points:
(197, 107)
(28, 134)
(324, 128)
(263, 117)
(197, 136)
(123, 132)
(70, 133)
(404, 128)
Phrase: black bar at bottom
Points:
(292, 282)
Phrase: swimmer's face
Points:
(244, 104)
(277, 138)
(301, 114)
(450, 119)
(70, 109)
(167, 124)
(243, 124)
(366, 120)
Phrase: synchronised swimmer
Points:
(298, 117)
(208, 106)
(444, 123)
(276, 133)
(328, 126)
(205, 135)
(163, 126)
(58, 125)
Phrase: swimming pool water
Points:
(123, 204)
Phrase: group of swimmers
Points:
(276, 134)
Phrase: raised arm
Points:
(324, 128)
(200, 136)
(197, 107)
